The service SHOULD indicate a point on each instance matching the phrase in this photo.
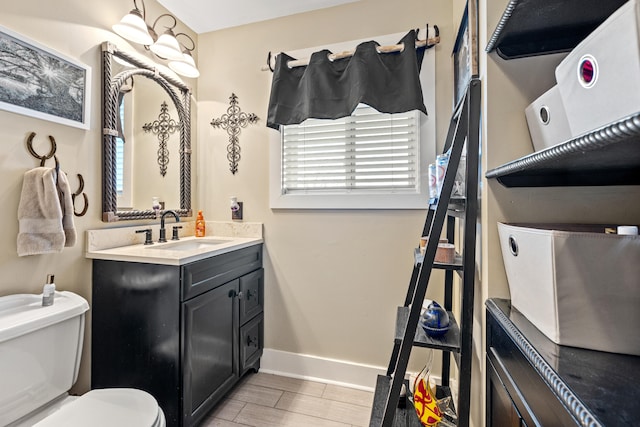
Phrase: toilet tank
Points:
(40, 350)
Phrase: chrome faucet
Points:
(163, 232)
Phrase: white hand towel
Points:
(40, 214)
(66, 204)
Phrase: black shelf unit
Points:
(544, 381)
(606, 156)
(536, 27)
(458, 341)
(609, 155)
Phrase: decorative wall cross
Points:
(232, 122)
(163, 127)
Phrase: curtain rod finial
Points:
(269, 61)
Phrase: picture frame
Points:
(37, 81)
(465, 52)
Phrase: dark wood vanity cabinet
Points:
(531, 381)
(186, 333)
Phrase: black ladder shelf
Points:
(464, 126)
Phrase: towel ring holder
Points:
(84, 196)
(46, 157)
(51, 154)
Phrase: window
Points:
(124, 156)
(365, 153)
(120, 157)
(369, 160)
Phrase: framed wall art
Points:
(37, 81)
(465, 52)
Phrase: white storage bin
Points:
(600, 79)
(547, 120)
(576, 284)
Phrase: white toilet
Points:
(40, 349)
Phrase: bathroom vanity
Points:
(184, 328)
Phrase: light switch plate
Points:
(237, 214)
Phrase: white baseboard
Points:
(314, 368)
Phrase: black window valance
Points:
(325, 89)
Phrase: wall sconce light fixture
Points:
(133, 27)
(186, 66)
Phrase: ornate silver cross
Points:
(163, 127)
(232, 122)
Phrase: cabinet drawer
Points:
(202, 276)
(251, 291)
(251, 342)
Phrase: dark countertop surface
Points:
(607, 384)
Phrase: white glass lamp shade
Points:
(167, 47)
(133, 28)
(186, 67)
(123, 61)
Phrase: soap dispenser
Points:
(200, 225)
(48, 291)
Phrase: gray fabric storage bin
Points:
(609, 58)
(547, 121)
(576, 284)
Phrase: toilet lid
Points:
(122, 407)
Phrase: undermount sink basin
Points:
(189, 245)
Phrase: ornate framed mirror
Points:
(146, 143)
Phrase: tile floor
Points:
(265, 400)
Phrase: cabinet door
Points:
(135, 315)
(501, 411)
(210, 346)
(251, 290)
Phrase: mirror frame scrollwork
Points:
(179, 93)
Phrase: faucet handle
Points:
(175, 232)
(163, 235)
(148, 239)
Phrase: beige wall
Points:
(74, 28)
(333, 277)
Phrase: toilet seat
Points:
(122, 407)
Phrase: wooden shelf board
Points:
(456, 208)
(448, 342)
(530, 28)
(455, 265)
(406, 416)
(609, 155)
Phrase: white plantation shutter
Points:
(123, 154)
(119, 166)
(367, 152)
(120, 156)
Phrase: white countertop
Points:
(123, 244)
(156, 254)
